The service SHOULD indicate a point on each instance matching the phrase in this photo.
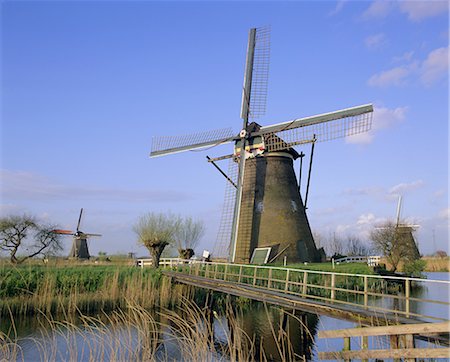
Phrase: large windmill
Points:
(267, 208)
(79, 248)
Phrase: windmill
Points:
(79, 248)
(404, 236)
(267, 210)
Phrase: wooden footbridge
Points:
(369, 300)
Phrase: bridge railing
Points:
(408, 297)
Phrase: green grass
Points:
(31, 289)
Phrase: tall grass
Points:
(135, 334)
(27, 290)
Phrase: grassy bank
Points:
(33, 288)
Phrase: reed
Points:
(27, 290)
(134, 333)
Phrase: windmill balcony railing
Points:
(422, 299)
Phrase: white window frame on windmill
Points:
(266, 258)
(254, 147)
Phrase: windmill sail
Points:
(320, 128)
(165, 145)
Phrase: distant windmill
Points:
(404, 235)
(267, 208)
(79, 248)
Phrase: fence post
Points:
(333, 283)
(215, 271)
(225, 272)
(286, 285)
(366, 290)
(409, 344)
(364, 345)
(254, 275)
(240, 273)
(305, 282)
(269, 281)
(407, 290)
(347, 345)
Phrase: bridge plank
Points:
(422, 328)
(387, 353)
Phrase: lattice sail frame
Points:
(319, 132)
(222, 244)
(164, 145)
(260, 73)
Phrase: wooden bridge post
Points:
(254, 275)
(333, 284)
(305, 282)
(215, 271)
(347, 346)
(366, 291)
(269, 281)
(286, 285)
(240, 274)
(407, 292)
(409, 343)
(225, 272)
(364, 346)
(394, 344)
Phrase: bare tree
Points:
(356, 247)
(22, 237)
(155, 231)
(188, 234)
(395, 244)
(334, 245)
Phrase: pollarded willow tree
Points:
(155, 231)
(187, 236)
(23, 237)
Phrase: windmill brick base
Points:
(272, 211)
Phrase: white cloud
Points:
(375, 41)
(444, 214)
(383, 118)
(419, 10)
(415, 10)
(405, 57)
(429, 71)
(435, 67)
(339, 6)
(366, 219)
(403, 188)
(395, 76)
(378, 9)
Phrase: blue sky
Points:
(86, 85)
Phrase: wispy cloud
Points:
(378, 9)
(396, 76)
(435, 67)
(429, 71)
(405, 57)
(383, 118)
(338, 8)
(19, 185)
(420, 10)
(375, 41)
(414, 10)
(404, 187)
